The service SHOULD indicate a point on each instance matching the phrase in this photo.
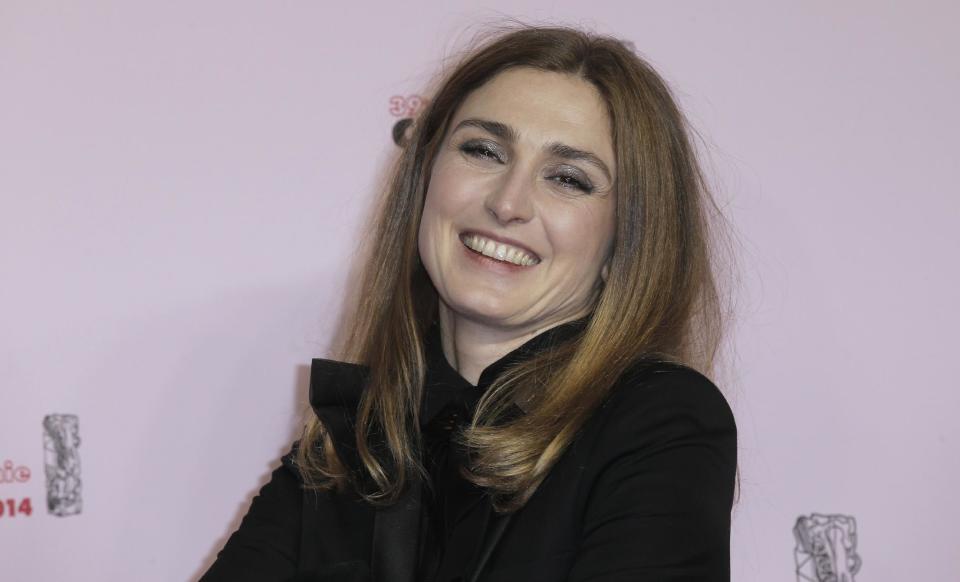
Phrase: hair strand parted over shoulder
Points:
(661, 300)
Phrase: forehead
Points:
(543, 106)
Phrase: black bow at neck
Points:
(336, 387)
(446, 389)
(449, 400)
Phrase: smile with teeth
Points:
(498, 251)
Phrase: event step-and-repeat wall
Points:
(183, 188)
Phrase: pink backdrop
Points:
(181, 189)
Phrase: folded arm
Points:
(267, 543)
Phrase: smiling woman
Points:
(525, 392)
(516, 231)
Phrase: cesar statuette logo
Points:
(61, 438)
(826, 549)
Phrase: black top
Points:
(643, 492)
(449, 402)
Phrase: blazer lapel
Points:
(335, 390)
(494, 526)
(396, 533)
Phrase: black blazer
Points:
(644, 493)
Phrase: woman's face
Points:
(518, 221)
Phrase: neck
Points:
(471, 346)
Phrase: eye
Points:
(573, 182)
(481, 151)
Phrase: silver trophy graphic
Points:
(826, 549)
(61, 438)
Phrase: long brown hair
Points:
(661, 299)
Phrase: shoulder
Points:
(659, 479)
(654, 387)
(289, 461)
(656, 403)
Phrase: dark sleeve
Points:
(266, 545)
(659, 507)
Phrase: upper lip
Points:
(501, 239)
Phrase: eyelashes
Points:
(572, 180)
(479, 150)
(568, 180)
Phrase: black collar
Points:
(335, 387)
(444, 385)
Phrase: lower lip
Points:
(491, 263)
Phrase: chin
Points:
(482, 310)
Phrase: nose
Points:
(511, 199)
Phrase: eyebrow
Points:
(560, 150)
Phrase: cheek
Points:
(428, 215)
(428, 234)
(447, 195)
(582, 235)
(441, 206)
(449, 186)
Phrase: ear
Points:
(605, 271)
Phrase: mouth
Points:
(498, 250)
